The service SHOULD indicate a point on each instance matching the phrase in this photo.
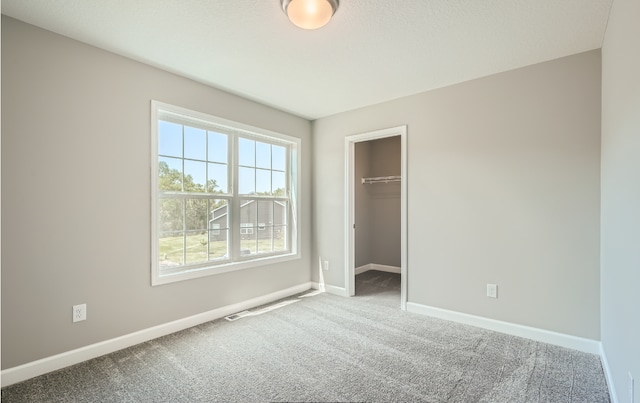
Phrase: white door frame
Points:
(350, 180)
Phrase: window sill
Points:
(158, 279)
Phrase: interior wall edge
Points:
(331, 289)
(608, 375)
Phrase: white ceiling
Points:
(372, 50)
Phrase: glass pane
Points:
(279, 155)
(169, 139)
(196, 215)
(218, 147)
(246, 181)
(170, 174)
(195, 143)
(195, 176)
(218, 244)
(263, 182)
(280, 239)
(170, 215)
(280, 211)
(196, 250)
(265, 240)
(219, 213)
(279, 184)
(170, 231)
(248, 217)
(265, 212)
(248, 244)
(263, 155)
(218, 229)
(171, 248)
(265, 226)
(248, 214)
(217, 182)
(246, 152)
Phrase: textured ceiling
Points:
(372, 50)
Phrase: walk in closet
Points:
(378, 205)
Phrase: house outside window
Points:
(215, 230)
(224, 195)
(246, 228)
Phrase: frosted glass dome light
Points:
(309, 14)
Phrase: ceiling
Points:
(370, 52)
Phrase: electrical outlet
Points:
(492, 290)
(325, 265)
(79, 312)
(631, 388)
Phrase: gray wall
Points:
(76, 196)
(362, 202)
(385, 199)
(378, 205)
(503, 187)
(620, 272)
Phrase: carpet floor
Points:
(320, 347)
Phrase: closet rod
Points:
(382, 179)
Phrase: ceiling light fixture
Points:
(309, 14)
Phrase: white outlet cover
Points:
(79, 312)
(492, 290)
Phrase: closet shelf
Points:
(381, 179)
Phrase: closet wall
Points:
(377, 205)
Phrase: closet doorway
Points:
(374, 184)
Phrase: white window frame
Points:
(239, 261)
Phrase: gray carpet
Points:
(379, 288)
(329, 348)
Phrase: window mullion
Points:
(254, 224)
(289, 193)
(208, 229)
(184, 231)
(234, 225)
(184, 208)
(206, 187)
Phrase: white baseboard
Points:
(379, 267)
(331, 289)
(607, 374)
(546, 336)
(35, 368)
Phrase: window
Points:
(246, 228)
(215, 228)
(223, 195)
